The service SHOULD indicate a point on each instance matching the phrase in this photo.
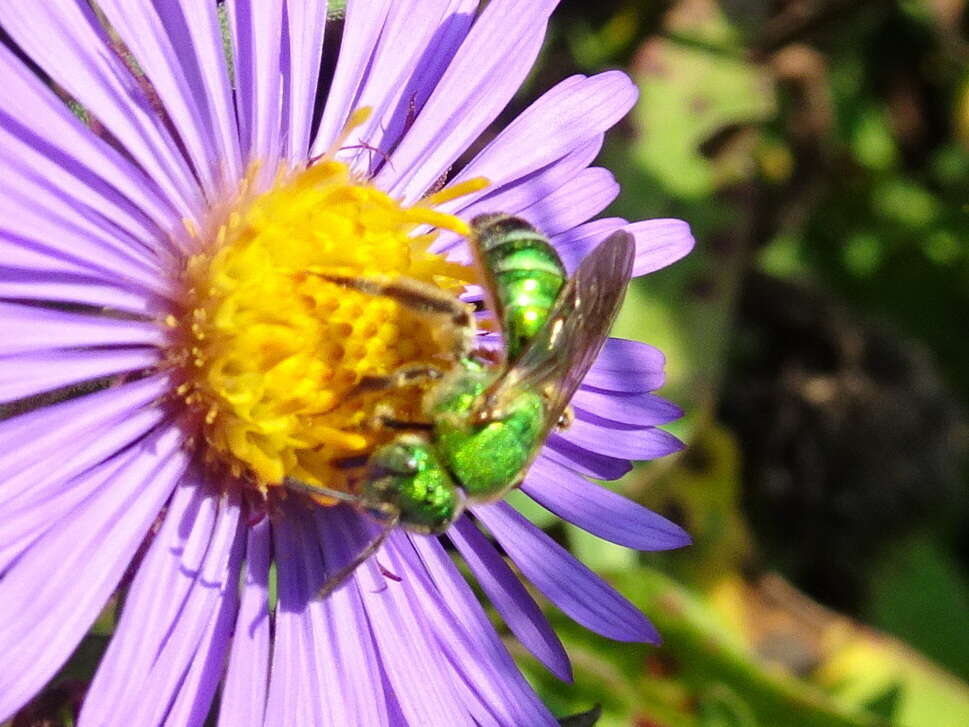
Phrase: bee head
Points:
(405, 478)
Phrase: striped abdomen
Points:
(523, 276)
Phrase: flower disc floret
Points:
(271, 349)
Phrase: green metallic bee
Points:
(487, 423)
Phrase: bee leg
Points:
(340, 576)
(384, 417)
(420, 297)
(404, 376)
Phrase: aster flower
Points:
(163, 256)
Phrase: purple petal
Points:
(495, 684)
(313, 635)
(574, 244)
(580, 459)
(406, 100)
(579, 592)
(361, 31)
(565, 118)
(627, 366)
(659, 243)
(246, 682)
(66, 40)
(256, 32)
(34, 373)
(45, 177)
(523, 193)
(196, 34)
(405, 639)
(408, 31)
(25, 329)
(485, 73)
(141, 29)
(306, 22)
(579, 199)
(601, 511)
(73, 429)
(63, 486)
(165, 658)
(28, 520)
(50, 597)
(510, 599)
(622, 441)
(32, 112)
(43, 230)
(292, 685)
(635, 409)
(52, 287)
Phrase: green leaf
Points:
(692, 86)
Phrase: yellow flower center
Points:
(271, 351)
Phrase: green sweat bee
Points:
(488, 422)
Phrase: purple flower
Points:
(102, 224)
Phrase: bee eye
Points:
(382, 512)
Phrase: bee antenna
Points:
(337, 579)
(293, 484)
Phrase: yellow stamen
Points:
(461, 189)
(270, 350)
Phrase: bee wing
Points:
(558, 358)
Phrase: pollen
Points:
(271, 352)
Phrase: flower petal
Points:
(580, 459)
(405, 639)
(306, 23)
(522, 194)
(579, 199)
(79, 430)
(601, 511)
(563, 119)
(634, 409)
(659, 243)
(510, 599)
(312, 634)
(44, 229)
(361, 31)
(622, 441)
(256, 33)
(406, 100)
(196, 34)
(51, 595)
(66, 40)
(494, 682)
(579, 592)
(60, 288)
(30, 110)
(627, 366)
(165, 658)
(292, 684)
(140, 26)
(34, 373)
(407, 34)
(243, 701)
(37, 221)
(26, 328)
(483, 76)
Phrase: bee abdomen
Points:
(527, 275)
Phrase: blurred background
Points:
(817, 339)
